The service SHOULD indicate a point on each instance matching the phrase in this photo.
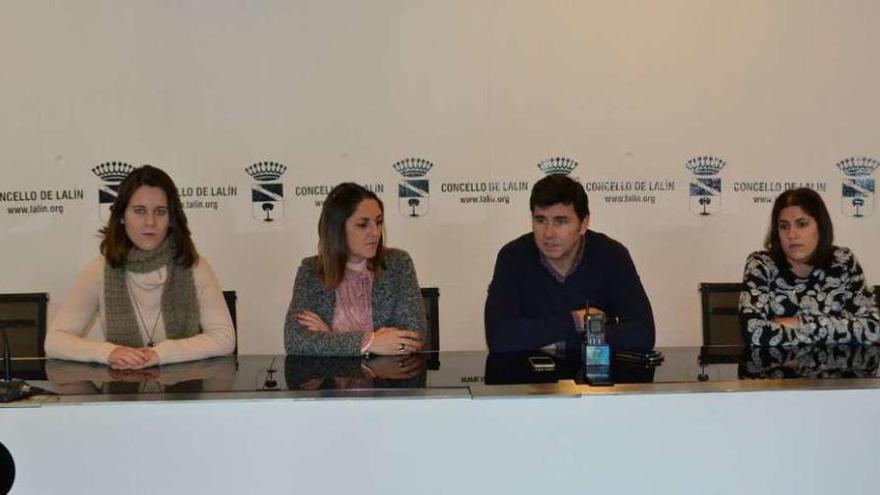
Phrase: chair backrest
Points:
(23, 316)
(720, 307)
(431, 299)
(231, 297)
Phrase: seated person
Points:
(355, 297)
(802, 289)
(157, 300)
(547, 280)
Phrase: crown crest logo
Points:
(859, 166)
(266, 171)
(413, 167)
(557, 165)
(112, 171)
(705, 165)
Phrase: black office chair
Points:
(431, 299)
(231, 297)
(23, 316)
(720, 307)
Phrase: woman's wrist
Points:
(367, 342)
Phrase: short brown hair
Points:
(341, 204)
(116, 245)
(560, 189)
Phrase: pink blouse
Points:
(354, 303)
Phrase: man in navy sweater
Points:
(547, 280)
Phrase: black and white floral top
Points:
(832, 305)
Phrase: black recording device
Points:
(596, 351)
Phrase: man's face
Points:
(558, 231)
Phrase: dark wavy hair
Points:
(341, 204)
(812, 204)
(116, 245)
(560, 189)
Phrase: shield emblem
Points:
(106, 196)
(705, 195)
(268, 201)
(412, 197)
(858, 197)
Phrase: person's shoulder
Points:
(94, 268)
(760, 257)
(309, 263)
(762, 264)
(201, 263)
(597, 241)
(396, 256)
(203, 272)
(842, 256)
(201, 267)
(95, 264)
(522, 246)
(397, 264)
(307, 273)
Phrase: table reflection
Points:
(510, 368)
(447, 370)
(208, 375)
(838, 361)
(338, 373)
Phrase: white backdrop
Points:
(484, 90)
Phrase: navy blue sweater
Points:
(527, 308)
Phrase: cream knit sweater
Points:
(66, 337)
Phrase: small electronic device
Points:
(542, 363)
(597, 352)
(597, 365)
(651, 358)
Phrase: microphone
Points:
(11, 389)
(270, 383)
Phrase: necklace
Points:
(137, 308)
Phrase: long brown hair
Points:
(340, 204)
(115, 244)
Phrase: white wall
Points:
(631, 90)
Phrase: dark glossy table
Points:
(802, 420)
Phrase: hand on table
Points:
(389, 341)
(129, 358)
(580, 314)
(395, 368)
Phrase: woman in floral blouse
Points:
(802, 289)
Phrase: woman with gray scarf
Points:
(157, 301)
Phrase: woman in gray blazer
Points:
(356, 296)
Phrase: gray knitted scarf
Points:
(179, 306)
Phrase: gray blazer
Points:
(397, 302)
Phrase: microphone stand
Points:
(11, 389)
